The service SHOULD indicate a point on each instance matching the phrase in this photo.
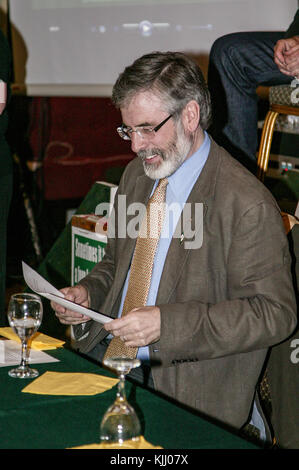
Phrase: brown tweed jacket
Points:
(223, 304)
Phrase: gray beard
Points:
(172, 157)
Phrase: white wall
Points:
(80, 46)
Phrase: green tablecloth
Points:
(29, 421)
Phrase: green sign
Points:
(86, 253)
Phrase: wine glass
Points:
(120, 422)
(25, 312)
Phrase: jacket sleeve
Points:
(260, 307)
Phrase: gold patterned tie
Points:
(142, 264)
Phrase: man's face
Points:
(162, 152)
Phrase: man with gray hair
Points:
(201, 316)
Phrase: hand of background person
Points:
(286, 56)
(76, 294)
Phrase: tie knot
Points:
(162, 183)
(160, 191)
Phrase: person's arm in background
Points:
(286, 56)
(5, 70)
(286, 51)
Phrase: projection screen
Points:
(80, 46)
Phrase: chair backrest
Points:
(283, 99)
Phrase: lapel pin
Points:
(182, 237)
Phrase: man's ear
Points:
(191, 116)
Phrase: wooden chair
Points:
(283, 99)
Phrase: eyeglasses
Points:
(144, 132)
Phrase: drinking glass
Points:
(25, 312)
(120, 422)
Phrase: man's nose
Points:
(137, 142)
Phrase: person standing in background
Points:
(6, 167)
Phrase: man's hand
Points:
(140, 327)
(286, 56)
(76, 294)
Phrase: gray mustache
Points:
(143, 154)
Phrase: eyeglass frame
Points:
(123, 134)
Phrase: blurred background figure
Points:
(6, 167)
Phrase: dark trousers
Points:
(240, 62)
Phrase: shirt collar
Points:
(182, 180)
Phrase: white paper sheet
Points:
(40, 286)
(10, 354)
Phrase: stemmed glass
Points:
(25, 312)
(120, 422)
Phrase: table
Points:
(29, 421)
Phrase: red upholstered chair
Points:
(76, 142)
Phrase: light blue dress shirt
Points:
(179, 187)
